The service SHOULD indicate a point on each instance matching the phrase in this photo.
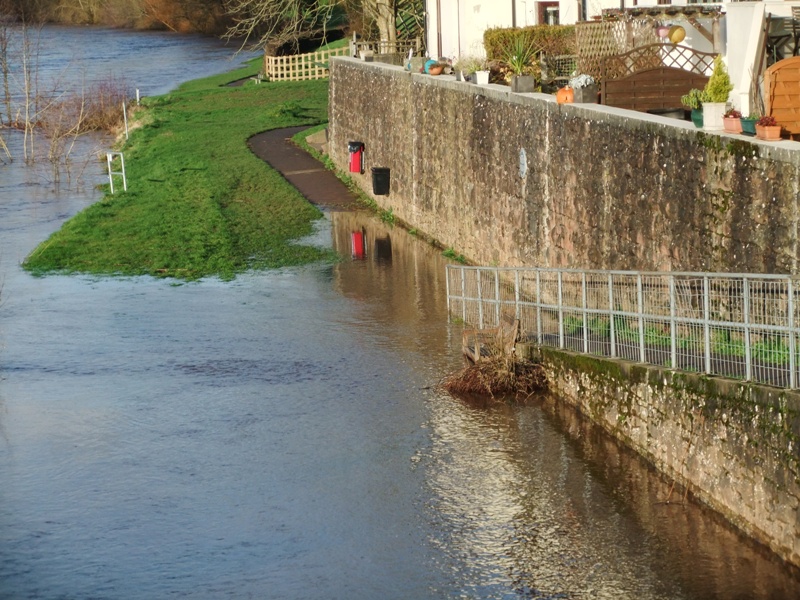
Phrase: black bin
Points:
(380, 181)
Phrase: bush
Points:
(719, 84)
(553, 40)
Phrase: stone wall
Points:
(735, 446)
(513, 179)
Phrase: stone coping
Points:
(787, 151)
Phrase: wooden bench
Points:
(481, 344)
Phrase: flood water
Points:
(282, 436)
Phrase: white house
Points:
(455, 28)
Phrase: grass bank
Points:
(199, 203)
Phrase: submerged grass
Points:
(199, 202)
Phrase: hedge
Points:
(553, 40)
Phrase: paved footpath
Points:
(319, 185)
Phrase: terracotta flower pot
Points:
(565, 95)
(768, 133)
(435, 69)
(732, 124)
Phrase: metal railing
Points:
(741, 326)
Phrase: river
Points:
(282, 435)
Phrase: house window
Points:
(548, 13)
(665, 1)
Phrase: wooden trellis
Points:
(657, 55)
(298, 67)
(596, 40)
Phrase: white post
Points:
(109, 159)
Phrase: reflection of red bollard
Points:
(359, 245)
(356, 150)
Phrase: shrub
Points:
(719, 84)
(547, 39)
(519, 55)
(694, 99)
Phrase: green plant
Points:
(387, 216)
(519, 55)
(694, 99)
(600, 326)
(553, 40)
(453, 255)
(572, 325)
(719, 85)
(470, 64)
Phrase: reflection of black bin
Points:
(380, 181)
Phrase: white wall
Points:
(464, 21)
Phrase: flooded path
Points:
(281, 436)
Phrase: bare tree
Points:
(272, 23)
(382, 12)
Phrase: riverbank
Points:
(199, 203)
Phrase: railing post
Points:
(707, 325)
(673, 327)
(748, 360)
(640, 308)
(480, 300)
(497, 294)
(517, 313)
(463, 295)
(447, 286)
(792, 338)
(585, 316)
(611, 315)
(538, 307)
(560, 315)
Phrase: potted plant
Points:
(768, 129)
(466, 66)
(433, 67)
(584, 88)
(732, 121)
(482, 74)
(694, 101)
(749, 124)
(716, 96)
(518, 57)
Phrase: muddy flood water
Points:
(282, 436)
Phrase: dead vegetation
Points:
(499, 377)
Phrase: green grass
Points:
(199, 203)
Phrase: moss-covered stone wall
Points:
(512, 179)
(736, 446)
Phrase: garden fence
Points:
(742, 326)
(298, 67)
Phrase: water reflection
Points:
(565, 512)
(404, 274)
